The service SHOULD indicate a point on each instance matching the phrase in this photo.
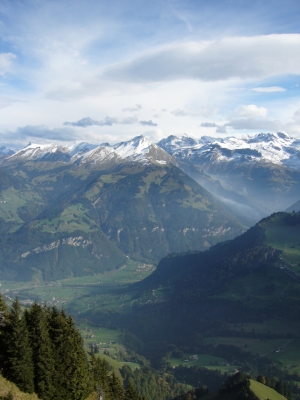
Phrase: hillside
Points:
(294, 207)
(238, 301)
(80, 210)
(10, 391)
(263, 392)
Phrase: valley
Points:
(163, 279)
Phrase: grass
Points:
(263, 392)
(285, 238)
(255, 346)
(204, 360)
(153, 177)
(12, 200)
(7, 387)
(73, 218)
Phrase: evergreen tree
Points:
(71, 375)
(130, 393)
(116, 387)
(100, 376)
(3, 326)
(43, 359)
(18, 364)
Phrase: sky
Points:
(99, 71)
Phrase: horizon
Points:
(75, 143)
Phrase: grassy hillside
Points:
(10, 391)
(263, 392)
(62, 220)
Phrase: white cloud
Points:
(107, 121)
(253, 57)
(254, 124)
(5, 62)
(251, 111)
(201, 111)
(268, 89)
(138, 107)
(297, 113)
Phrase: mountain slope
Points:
(253, 175)
(248, 280)
(99, 206)
(294, 207)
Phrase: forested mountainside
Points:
(41, 352)
(69, 216)
(226, 284)
(225, 303)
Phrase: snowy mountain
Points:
(139, 149)
(276, 148)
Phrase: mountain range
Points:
(79, 209)
(253, 175)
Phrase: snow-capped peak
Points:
(277, 148)
(138, 149)
(134, 148)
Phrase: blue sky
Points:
(99, 72)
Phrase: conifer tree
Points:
(71, 372)
(130, 393)
(18, 364)
(100, 376)
(42, 353)
(3, 326)
(115, 387)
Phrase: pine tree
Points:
(3, 327)
(71, 375)
(43, 359)
(115, 387)
(18, 364)
(130, 393)
(99, 373)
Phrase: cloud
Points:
(148, 123)
(234, 57)
(5, 62)
(269, 89)
(246, 124)
(209, 125)
(221, 129)
(107, 121)
(32, 132)
(251, 110)
(203, 111)
(297, 113)
(183, 113)
(133, 109)
(253, 123)
(41, 131)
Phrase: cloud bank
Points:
(107, 121)
(253, 57)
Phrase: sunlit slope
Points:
(263, 392)
(7, 388)
(283, 233)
